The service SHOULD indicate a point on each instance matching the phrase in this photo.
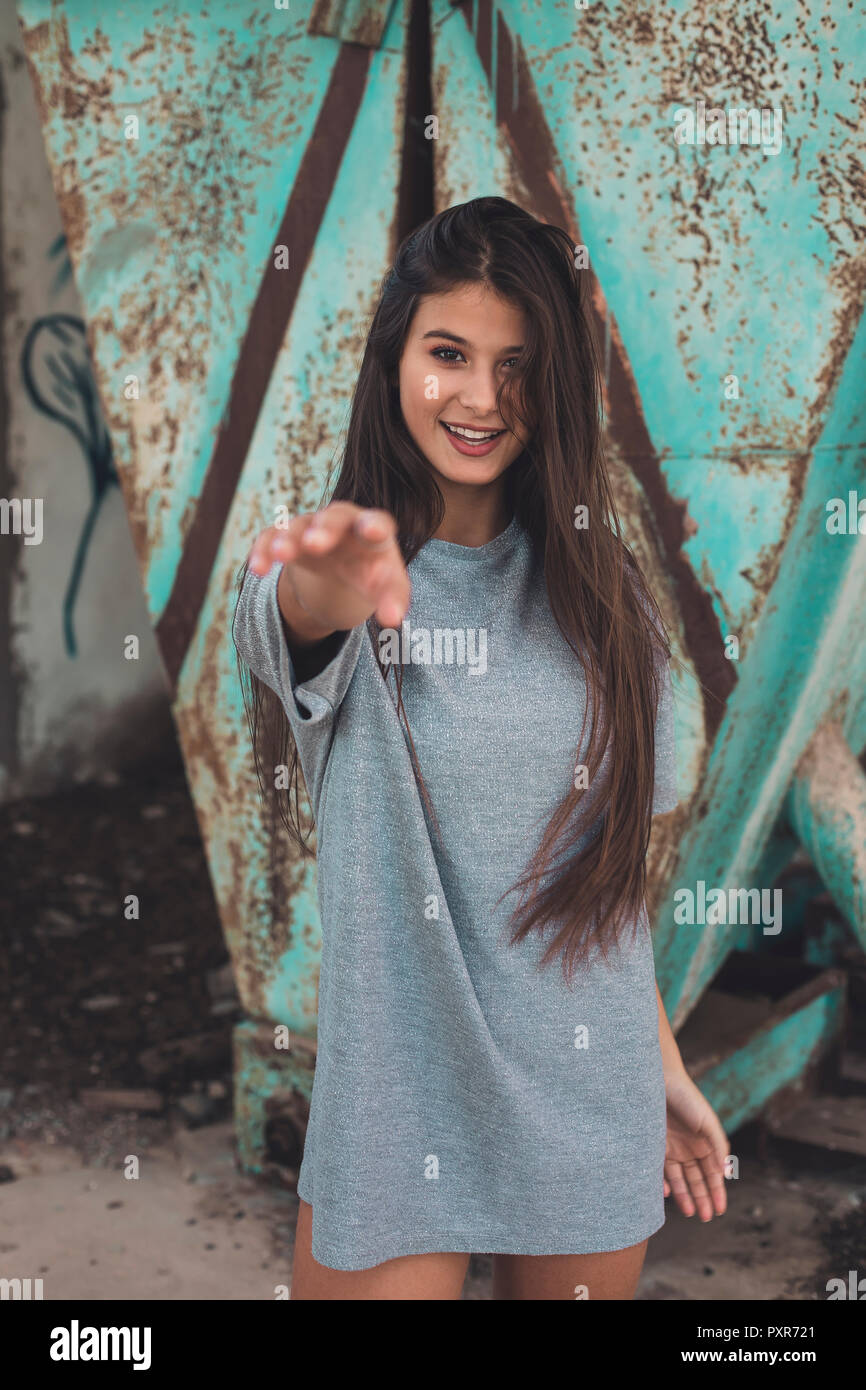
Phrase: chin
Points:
(459, 470)
(473, 473)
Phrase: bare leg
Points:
(433, 1276)
(611, 1275)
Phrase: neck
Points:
(473, 516)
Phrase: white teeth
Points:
(472, 435)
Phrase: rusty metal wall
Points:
(728, 283)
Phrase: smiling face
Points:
(459, 349)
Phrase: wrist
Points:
(302, 626)
(674, 1070)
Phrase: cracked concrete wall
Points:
(72, 705)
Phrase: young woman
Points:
(460, 650)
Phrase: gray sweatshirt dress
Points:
(463, 1099)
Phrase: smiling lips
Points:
(467, 440)
(468, 432)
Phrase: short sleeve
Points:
(665, 796)
(311, 707)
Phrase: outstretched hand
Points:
(340, 566)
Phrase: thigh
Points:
(613, 1274)
(433, 1276)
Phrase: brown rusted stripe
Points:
(262, 342)
(415, 197)
(535, 155)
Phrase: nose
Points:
(477, 394)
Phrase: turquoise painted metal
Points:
(826, 806)
(766, 1025)
(728, 291)
(775, 1054)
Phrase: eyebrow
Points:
(464, 342)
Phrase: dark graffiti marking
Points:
(55, 366)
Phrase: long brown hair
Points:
(594, 584)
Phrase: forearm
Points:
(672, 1062)
(312, 647)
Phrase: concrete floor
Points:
(191, 1226)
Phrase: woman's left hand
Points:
(695, 1151)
